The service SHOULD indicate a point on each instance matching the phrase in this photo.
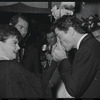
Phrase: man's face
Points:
(51, 38)
(97, 34)
(10, 47)
(65, 39)
(22, 26)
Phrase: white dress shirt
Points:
(78, 44)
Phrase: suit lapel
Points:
(86, 38)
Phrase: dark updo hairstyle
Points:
(14, 20)
(8, 30)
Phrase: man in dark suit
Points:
(31, 60)
(21, 23)
(82, 77)
(28, 54)
(51, 43)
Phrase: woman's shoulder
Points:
(9, 64)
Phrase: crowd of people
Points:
(69, 67)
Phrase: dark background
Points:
(38, 23)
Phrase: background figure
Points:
(31, 60)
(51, 43)
(28, 54)
(21, 23)
(82, 77)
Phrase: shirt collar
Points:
(78, 44)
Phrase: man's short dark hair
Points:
(14, 20)
(67, 21)
(49, 31)
(96, 28)
(8, 30)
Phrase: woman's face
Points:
(11, 47)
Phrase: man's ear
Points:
(71, 29)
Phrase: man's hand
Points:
(58, 52)
(49, 56)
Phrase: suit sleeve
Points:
(46, 75)
(78, 76)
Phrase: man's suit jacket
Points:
(82, 78)
(31, 60)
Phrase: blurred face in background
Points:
(97, 34)
(22, 26)
(51, 38)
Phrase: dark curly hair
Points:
(8, 30)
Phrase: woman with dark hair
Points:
(16, 82)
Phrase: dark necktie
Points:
(21, 54)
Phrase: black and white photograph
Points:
(50, 49)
